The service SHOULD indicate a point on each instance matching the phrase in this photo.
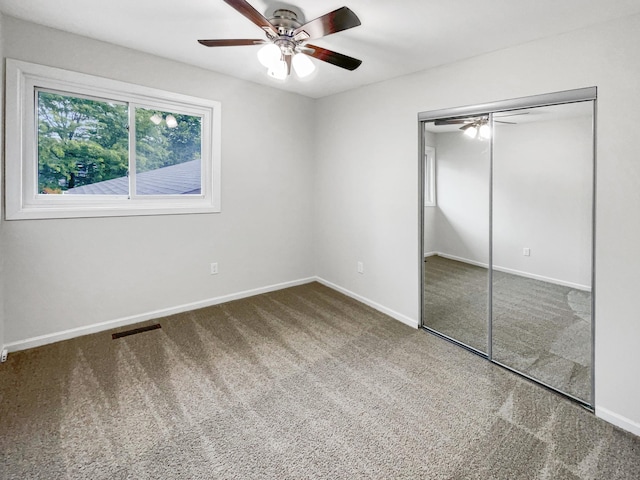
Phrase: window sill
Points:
(65, 211)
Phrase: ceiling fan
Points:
(465, 121)
(477, 126)
(286, 45)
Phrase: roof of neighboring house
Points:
(180, 179)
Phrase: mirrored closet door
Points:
(507, 238)
(542, 244)
(456, 226)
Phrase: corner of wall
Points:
(618, 420)
(315, 223)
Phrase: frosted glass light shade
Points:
(156, 119)
(279, 70)
(303, 65)
(485, 131)
(171, 121)
(269, 55)
(471, 131)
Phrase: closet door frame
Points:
(555, 98)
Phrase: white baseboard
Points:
(121, 322)
(462, 259)
(387, 311)
(618, 420)
(512, 271)
(542, 278)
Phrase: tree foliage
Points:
(159, 146)
(82, 141)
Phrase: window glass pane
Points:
(429, 178)
(168, 153)
(82, 145)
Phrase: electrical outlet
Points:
(3, 357)
(360, 267)
(214, 268)
(526, 252)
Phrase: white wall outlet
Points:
(214, 268)
(526, 252)
(360, 267)
(3, 357)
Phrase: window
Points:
(429, 177)
(85, 146)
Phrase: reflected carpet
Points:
(539, 328)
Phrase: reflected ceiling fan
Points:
(477, 126)
(286, 45)
(477, 119)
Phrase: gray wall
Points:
(367, 185)
(72, 273)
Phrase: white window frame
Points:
(429, 176)
(23, 200)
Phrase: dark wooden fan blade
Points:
(252, 14)
(336, 21)
(335, 58)
(231, 42)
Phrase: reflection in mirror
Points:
(542, 245)
(456, 229)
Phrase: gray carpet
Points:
(300, 383)
(539, 328)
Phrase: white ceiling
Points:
(395, 38)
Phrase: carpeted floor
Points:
(299, 383)
(539, 328)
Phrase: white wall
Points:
(366, 197)
(542, 199)
(367, 182)
(73, 273)
(462, 215)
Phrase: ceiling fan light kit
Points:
(272, 57)
(478, 129)
(269, 55)
(285, 45)
(484, 131)
(303, 65)
(278, 70)
(471, 131)
(170, 120)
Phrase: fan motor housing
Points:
(285, 21)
